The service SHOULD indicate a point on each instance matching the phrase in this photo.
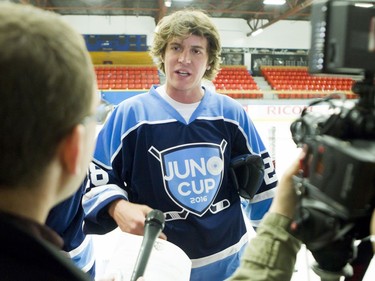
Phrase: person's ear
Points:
(72, 149)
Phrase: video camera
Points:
(336, 188)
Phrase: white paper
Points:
(167, 261)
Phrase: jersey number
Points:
(97, 175)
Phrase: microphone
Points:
(154, 224)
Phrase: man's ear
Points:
(72, 149)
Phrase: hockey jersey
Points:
(66, 219)
(148, 154)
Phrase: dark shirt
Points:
(69, 227)
(30, 251)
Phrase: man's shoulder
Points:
(23, 255)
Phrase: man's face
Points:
(186, 61)
(90, 135)
(87, 144)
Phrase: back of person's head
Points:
(47, 84)
(182, 24)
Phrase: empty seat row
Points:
(309, 95)
(244, 95)
(124, 86)
(235, 86)
(234, 78)
(126, 77)
(299, 79)
(124, 68)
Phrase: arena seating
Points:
(233, 81)
(234, 78)
(296, 82)
(118, 77)
(236, 81)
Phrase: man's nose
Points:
(184, 57)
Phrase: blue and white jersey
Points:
(148, 154)
(67, 220)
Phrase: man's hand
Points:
(130, 217)
(285, 199)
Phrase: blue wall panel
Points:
(115, 97)
(122, 42)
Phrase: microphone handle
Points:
(152, 231)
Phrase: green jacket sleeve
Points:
(271, 254)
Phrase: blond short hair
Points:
(182, 24)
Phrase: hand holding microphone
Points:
(154, 224)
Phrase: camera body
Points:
(336, 187)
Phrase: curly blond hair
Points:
(182, 24)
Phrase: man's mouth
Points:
(182, 73)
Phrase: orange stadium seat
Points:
(126, 77)
(237, 79)
(298, 79)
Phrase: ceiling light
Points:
(364, 5)
(257, 32)
(273, 2)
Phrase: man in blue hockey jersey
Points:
(171, 148)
